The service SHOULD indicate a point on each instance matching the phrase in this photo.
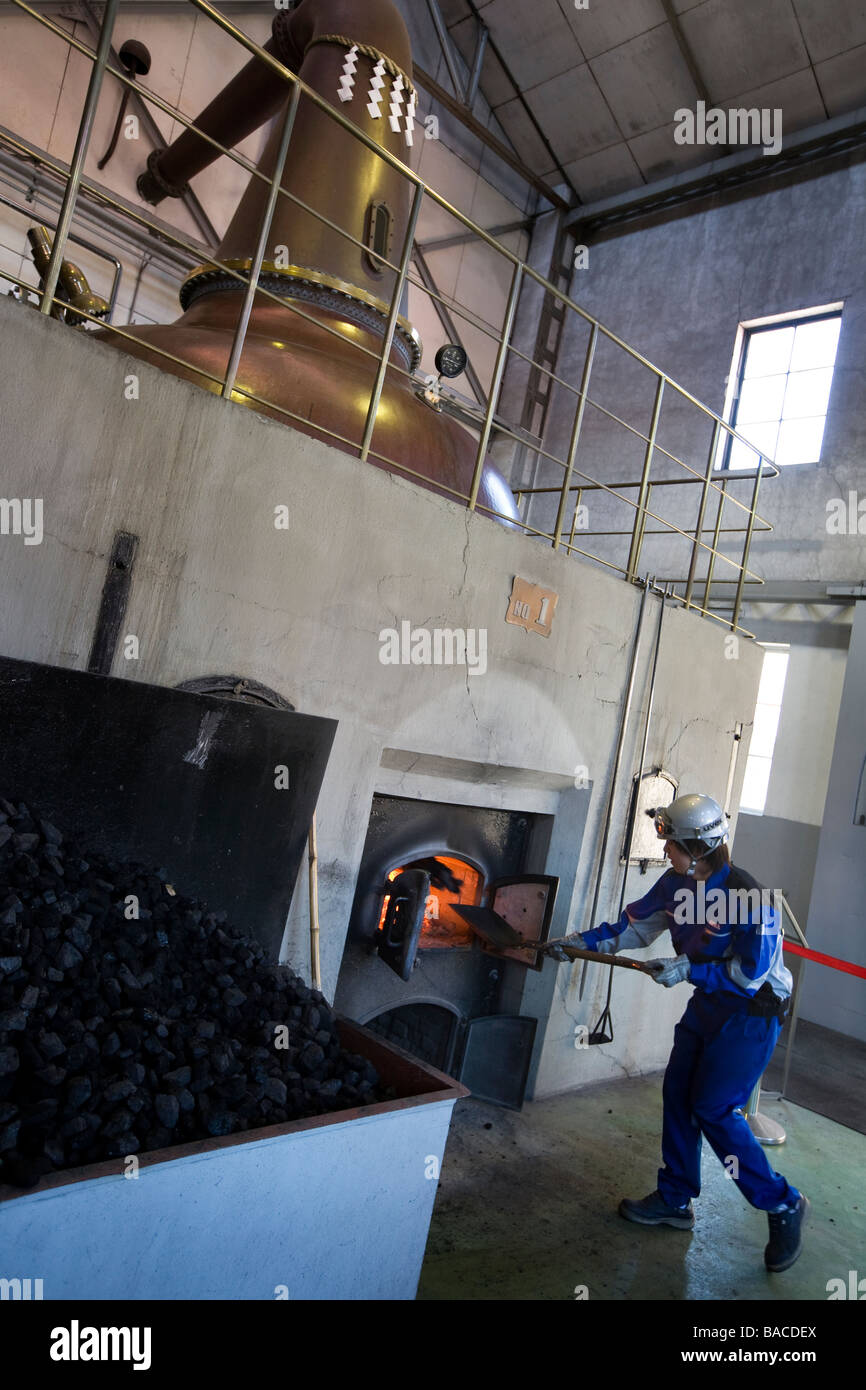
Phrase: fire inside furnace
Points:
(442, 926)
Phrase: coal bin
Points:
(123, 1033)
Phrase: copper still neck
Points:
(355, 54)
(359, 58)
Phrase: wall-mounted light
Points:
(135, 61)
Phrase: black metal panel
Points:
(404, 920)
(496, 1057)
(115, 596)
(168, 779)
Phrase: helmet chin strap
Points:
(694, 860)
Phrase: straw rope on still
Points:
(369, 52)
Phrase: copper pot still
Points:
(291, 362)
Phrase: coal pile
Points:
(121, 1034)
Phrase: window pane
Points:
(741, 456)
(807, 393)
(755, 784)
(764, 439)
(800, 441)
(769, 352)
(815, 344)
(764, 730)
(773, 674)
(762, 397)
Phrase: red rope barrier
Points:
(833, 961)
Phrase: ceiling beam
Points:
(459, 111)
(446, 243)
(447, 322)
(839, 136)
(497, 53)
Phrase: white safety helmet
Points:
(692, 817)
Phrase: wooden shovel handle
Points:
(603, 957)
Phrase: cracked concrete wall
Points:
(705, 682)
(218, 590)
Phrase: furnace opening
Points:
(459, 883)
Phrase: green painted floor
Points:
(527, 1206)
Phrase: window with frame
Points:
(779, 388)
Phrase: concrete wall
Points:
(217, 590)
(781, 854)
(780, 847)
(835, 922)
(676, 288)
(806, 733)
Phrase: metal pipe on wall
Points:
(597, 1033)
(644, 743)
(616, 762)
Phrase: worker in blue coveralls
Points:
(728, 939)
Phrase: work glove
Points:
(670, 972)
(576, 939)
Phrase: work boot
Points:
(654, 1211)
(786, 1235)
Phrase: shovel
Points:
(501, 935)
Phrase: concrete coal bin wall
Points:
(332, 1208)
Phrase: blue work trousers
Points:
(717, 1057)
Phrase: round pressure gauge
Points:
(451, 360)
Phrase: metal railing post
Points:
(636, 537)
(577, 501)
(747, 546)
(256, 266)
(496, 383)
(711, 564)
(699, 524)
(575, 436)
(643, 519)
(393, 316)
(76, 168)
